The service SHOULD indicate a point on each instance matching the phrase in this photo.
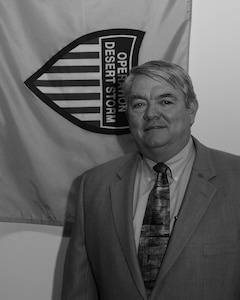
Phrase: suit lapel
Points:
(196, 201)
(122, 201)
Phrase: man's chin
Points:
(154, 140)
(154, 145)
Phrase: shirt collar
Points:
(176, 164)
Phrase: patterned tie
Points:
(155, 230)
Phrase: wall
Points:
(31, 256)
(214, 68)
(31, 261)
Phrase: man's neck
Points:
(163, 154)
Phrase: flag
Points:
(62, 66)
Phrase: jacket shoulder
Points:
(225, 159)
(221, 160)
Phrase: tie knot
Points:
(160, 168)
(162, 177)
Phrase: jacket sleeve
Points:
(78, 281)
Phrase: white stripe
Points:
(78, 62)
(69, 76)
(87, 117)
(69, 89)
(78, 103)
(87, 48)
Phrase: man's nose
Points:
(151, 112)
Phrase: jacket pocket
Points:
(223, 248)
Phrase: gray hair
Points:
(163, 70)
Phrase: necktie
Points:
(155, 230)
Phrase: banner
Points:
(62, 66)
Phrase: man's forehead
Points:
(144, 86)
(147, 81)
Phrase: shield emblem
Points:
(83, 81)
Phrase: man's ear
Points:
(193, 107)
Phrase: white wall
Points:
(214, 68)
(31, 256)
(31, 261)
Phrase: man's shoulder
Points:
(222, 160)
(226, 162)
(216, 154)
(224, 156)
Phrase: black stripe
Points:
(73, 69)
(79, 96)
(92, 42)
(81, 55)
(93, 123)
(82, 110)
(56, 83)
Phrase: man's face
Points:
(159, 120)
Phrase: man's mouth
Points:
(154, 127)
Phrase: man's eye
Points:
(166, 102)
(138, 105)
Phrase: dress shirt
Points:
(180, 166)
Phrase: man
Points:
(196, 255)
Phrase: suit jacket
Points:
(202, 261)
